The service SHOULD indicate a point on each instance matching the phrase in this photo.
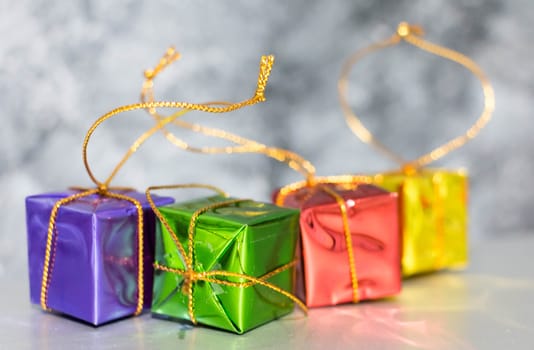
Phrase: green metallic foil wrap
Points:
(248, 238)
(433, 218)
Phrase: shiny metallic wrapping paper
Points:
(94, 274)
(373, 221)
(249, 238)
(433, 218)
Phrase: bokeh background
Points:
(65, 63)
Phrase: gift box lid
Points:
(362, 191)
(248, 212)
(100, 205)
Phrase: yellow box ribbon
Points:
(413, 173)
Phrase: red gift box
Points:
(371, 218)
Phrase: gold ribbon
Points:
(412, 34)
(103, 189)
(190, 275)
(244, 145)
(348, 240)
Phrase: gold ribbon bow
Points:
(413, 35)
(103, 189)
(190, 275)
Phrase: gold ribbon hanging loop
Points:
(412, 35)
(241, 144)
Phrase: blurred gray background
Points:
(65, 63)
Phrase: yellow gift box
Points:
(433, 218)
(433, 201)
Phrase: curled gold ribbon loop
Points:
(190, 274)
(242, 145)
(265, 69)
(104, 189)
(413, 35)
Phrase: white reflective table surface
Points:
(490, 305)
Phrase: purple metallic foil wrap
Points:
(94, 268)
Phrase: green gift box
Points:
(241, 268)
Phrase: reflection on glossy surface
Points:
(487, 307)
(433, 218)
(246, 238)
(373, 221)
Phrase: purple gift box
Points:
(93, 270)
